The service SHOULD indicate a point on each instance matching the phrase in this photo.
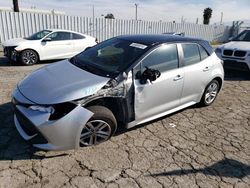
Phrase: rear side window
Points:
(191, 54)
(57, 36)
(203, 53)
(163, 58)
(77, 36)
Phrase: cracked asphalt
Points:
(197, 147)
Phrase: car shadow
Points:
(236, 75)
(4, 62)
(224, 168)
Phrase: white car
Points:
(236, 53)
(47, 44)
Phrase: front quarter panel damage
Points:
(62, 134)
(120, 91)
(66, 131)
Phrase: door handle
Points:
(178, 77)
(206, 69)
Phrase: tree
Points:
(109, 16)
(207, 14)
(15, 5)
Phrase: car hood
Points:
(60, 82)
(15, 42)
(237, 45)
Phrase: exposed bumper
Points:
(62, 134)
(9, 51)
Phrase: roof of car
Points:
(51, 29)
(152, 40)
(157, 39)
(65, 30)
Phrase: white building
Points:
(34, 10)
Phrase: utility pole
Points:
(15, 6)
(221, 18)
(93, 17)
(136, 5)
(197, 20)
(93, 12)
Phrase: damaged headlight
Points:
(61, 110)
(44, 109)
(56, 111)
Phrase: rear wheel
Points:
(99, 128)
(29, 57)
(210, 93)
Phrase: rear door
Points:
(152, 99)
(60, 46)
(197, 72)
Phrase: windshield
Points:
(243, 36)
(110, 57)
(39, 35)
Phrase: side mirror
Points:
(149, 74)
(48, 39)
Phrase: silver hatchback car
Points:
(126, 80)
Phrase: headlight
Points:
(44, 109)
(218, 51)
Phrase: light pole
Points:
(221, 18)
(136, 5)
(15, 6)
(93, 17)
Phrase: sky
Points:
(152, 10)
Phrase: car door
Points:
(57, 45)
(197, 70)
(164, 93)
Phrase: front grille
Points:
(25, 123)
(228, 52)
(239, 53)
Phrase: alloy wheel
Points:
(29, 57)
(211, 93)
(95, 132)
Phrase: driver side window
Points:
(164, 58)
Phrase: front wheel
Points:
(29, 57)
(99, 128)
(210, 93)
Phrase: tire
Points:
(210, 93)
(29, 57)
(100, 127)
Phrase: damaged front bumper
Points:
(61, 134)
